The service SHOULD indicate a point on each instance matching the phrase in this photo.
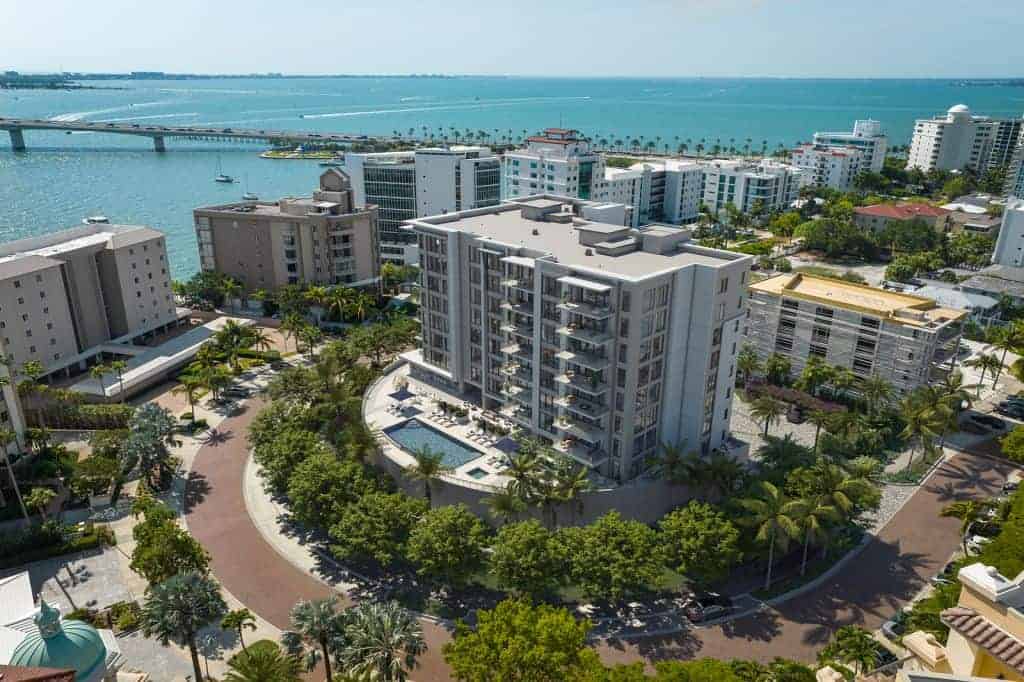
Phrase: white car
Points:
(975, 543)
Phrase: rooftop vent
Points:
(535, 232)
(589, 252)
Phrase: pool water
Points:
(414, 434)
(477, 473)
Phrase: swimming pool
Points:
(414, 434)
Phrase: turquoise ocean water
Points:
(63, 178)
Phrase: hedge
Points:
(23, 547)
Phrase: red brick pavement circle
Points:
(890, 570)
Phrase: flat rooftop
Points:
(506, 225)
(899, 307)
(273, 208)
(54, 244)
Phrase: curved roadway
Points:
(888, 572)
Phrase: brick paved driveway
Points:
(891, 570)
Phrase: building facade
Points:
(866, 137)
(1010, 243)
(604, 339)
(906, 339)
(878, 217)
(829, 166)
(744, 184)
(1015, 173)
(430, 181)
(558, 161)
(663, 190)
(324, 239)
(65, 293)
(961, 140)
(986, 632)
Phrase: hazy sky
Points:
(839, 38)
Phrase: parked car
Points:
(976, 543)
(1011, 409)
(236, 392)
(707, 606)
(795, 415)
(988, 421)
(1012, 482)
(947, 575)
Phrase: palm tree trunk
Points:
(241, 639)
(817, 432)
(981, 380)
(771, 556)
(195, 659)
(327, 661)
(1002, 363)
(807, 544)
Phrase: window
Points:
(723, 285)
(17, 284)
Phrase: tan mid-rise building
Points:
(324, 239)
(65, 294)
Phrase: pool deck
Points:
(383, 411)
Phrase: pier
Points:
(16, 128)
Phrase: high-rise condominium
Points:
(405, 185)
(605, 339)
(866, 136)
(959, 140)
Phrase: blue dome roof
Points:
(69, 644)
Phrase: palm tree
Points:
(523, 468)
(820, 419)
(118, 367)
(921, 419)
(852, 645)
(318, 630)
(571, 482)
(40, 499)
(178, 608)
(98, 372)
(429, 466)
(877, 393)
(231, 290)
(675, 464)
(748, 363)
(812, 515)
(317, 295)
(384, 641)
(505, 505)
(968, 511)
(339, 299)
(986, 363)
(361, 305)
(784, 453)
(291, 325)
(1006, 339)
(768, 409)
(263, 664)
(238, 620)
(777, 368)
(255, 337)
(773, 516)
(311, 336)
(7, 436)
(842, 380)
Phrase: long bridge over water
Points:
(16, 127)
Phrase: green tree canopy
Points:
(447, 544)
(322, 485)
(517, 642)
(376, 526)
(283, 454)
(525, 558)
(700, 542)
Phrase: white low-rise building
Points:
(866, 136)
(833, 167)
(745, 183)
(1010, 244)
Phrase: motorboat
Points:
(96, 220)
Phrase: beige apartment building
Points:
(63, 295)
(323, 239)
(604, 339)
(908, 340)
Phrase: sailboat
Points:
(222, 177)
(249, 196)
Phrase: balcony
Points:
(592, 336)
(581, 383)
(511, 349)
(521, 307)
(587, 454)
(597, 311)
(518, 330)
(585, 408)
(579, 428)
(584, 359)
(512, 390)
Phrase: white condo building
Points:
(866, 136)
(662, 190)
(606, 340)
(959, 140)
(742, 183)
(1015, 175)
(1010, 244)
(410, 184)
(827, 166)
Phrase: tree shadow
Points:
(196, 490)
(681, 645)
(761, 626)
(215, 437)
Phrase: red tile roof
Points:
(986, 634)
(901, 211)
